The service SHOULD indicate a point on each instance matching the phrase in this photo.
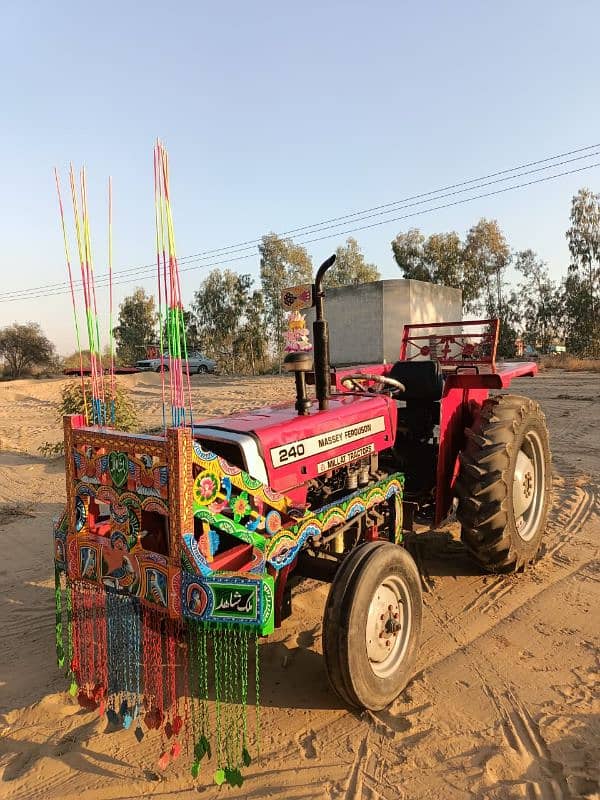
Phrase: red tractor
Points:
(426, 430)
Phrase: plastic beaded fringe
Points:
(230, 667)
(150, 672)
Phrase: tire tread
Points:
(483, 484)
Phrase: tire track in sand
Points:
(523, 735)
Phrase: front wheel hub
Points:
(388, 626)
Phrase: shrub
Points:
(52, 449)
(570, 363)
(72, 402)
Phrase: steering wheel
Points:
(357, 380)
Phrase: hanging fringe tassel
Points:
(123, 658)
(58, 592)
(86, 648)
(230, 645)
(64, 627)
(152, 644)
(257, 691)
(174, 723)
(129, 656)
(198, 690)
(70, 674)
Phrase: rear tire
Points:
(504, 484)
(372, 625)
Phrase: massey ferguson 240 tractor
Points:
(378, 440)
(202, 531)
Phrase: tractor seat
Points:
(423, 380)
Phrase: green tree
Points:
(251, 342)
(24, 346)
(541, 300)
(408, 253)
(486, 256)
(350, 267)
(137, 326)
(579, 339)
(510, 315)
(438, 258)
(443, 257)
(282, 264)
(583, 237)
(476, 267)
(228, 317)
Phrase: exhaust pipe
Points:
(321, 339)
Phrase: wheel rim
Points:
(529, 481)
(389, 624)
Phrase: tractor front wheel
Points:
(504, 484)
(372, 625)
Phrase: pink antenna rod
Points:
(175, 323)
(111, 338)
(70, 272)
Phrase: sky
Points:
(278, 115)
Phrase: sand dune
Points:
(505, 702)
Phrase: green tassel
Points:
(218, 670)
(219, 777)
(257, 698)
(230, 651)
(60, 649)
(69, 658)
(233, 777)
(198, 690)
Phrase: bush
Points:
(72, 403)
(52, 449)
(570, 363)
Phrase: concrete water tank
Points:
(366, 321)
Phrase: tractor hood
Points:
(294, 448)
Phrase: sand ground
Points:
(505, 702)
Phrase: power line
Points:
(331, 223)
(360, 215)
(433, 192)
(460, 202)
(145, 271)
(228, 260)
